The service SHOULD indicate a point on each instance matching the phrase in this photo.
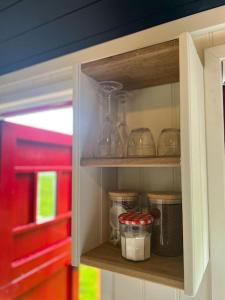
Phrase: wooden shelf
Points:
(131, 162)
(150, 66)
(163, 270)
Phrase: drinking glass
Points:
(169, 142)
(141, 143)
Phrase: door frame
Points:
(216, 165)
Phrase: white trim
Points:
(76, 251)
(216, 167)
(35, 101)
(49, 77)
(193, 166)
(43, 89)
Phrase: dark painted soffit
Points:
(34, 31)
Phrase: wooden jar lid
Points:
(120, 194)
(170, 197)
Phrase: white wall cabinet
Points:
(167, 86)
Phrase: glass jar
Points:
(135, 229)
(167, 231)
(169, 142)
(120, 202)
(141, 143)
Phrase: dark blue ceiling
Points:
(32, 31)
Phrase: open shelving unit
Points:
(152, 75)
(166, 90)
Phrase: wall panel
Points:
(26, 28)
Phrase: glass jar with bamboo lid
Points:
(120, 202)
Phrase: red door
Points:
(35, 253)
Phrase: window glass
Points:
(46, 196)
(89, 283)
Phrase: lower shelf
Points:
(163, 270)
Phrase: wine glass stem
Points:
(123, 113)
(109, 105)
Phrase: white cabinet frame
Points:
(89, 188)
(193, 166)
(216, 166)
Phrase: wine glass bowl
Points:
(109, 142)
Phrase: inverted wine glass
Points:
(110, 142)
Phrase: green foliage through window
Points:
(89, 283)
(46, 195)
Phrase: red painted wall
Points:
(34, 258)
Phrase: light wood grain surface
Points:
(131, 162)
(150, 66)
(164, 270)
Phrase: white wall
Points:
(120, 287)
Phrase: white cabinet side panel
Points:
(85, 200)
(76, 169)
(216, 167)
(94, 183)
(193, 166)
(204, 292)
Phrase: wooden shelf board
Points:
(150, 66)
(131, 162)
(163, 270)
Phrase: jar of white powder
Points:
(136, 229)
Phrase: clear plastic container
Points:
(120, 202)
(135, 229)
(169, 142)
(167, 230)
(141, 143)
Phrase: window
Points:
(46, 196)
(89, 282)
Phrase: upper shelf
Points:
(131, 162)
(145, 67)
